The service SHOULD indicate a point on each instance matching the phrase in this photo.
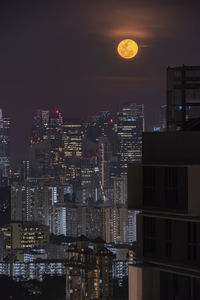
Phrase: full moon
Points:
(127, 49)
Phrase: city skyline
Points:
(64, 56)
(99, 150)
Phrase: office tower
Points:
(25, 169)
(40, 158)
(73, 139)
(55, 135)
(120, 191)
(5, 205)
(73, 148)
(101, 125)
(4, 145)
(40, 126)
(104, 161)
(183, 96)
(165, 189)
(46, 144)
(45, 124)
(130, 125)
(89, 180)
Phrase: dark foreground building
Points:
(166, 190)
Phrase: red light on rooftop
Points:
(57, 111)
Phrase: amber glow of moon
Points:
(127, 49)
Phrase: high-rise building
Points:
(104, 160)
(73, 138)
(40, 126)
(120, 190)
(115, 224)
(25, 169)
(4, 145)
(33, 201)
(89, 180)
(165, 189)
(73, 148)
(46, 144)
(101, 125)
(130, 125)
(89, 271)
(183, 97)
(59, 219)
(19, 235)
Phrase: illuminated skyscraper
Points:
(40, 125)
(73, 137)
(130, 125)
(105, 159)
(47, 155)
(89, 179)
(4, 145)
(120, 190)
(72, 143)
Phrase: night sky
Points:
(62, 54)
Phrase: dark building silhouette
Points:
(165, 188)
(183, 96)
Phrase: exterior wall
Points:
(28, 235)
(161, 239)
(194, 190)
(135, 275)
(135, 186)
(165, 187)
(144, 283)
(182, 147)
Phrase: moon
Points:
(127, 49)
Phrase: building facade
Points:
(165, 189)
(130, 125)
(4, 145)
